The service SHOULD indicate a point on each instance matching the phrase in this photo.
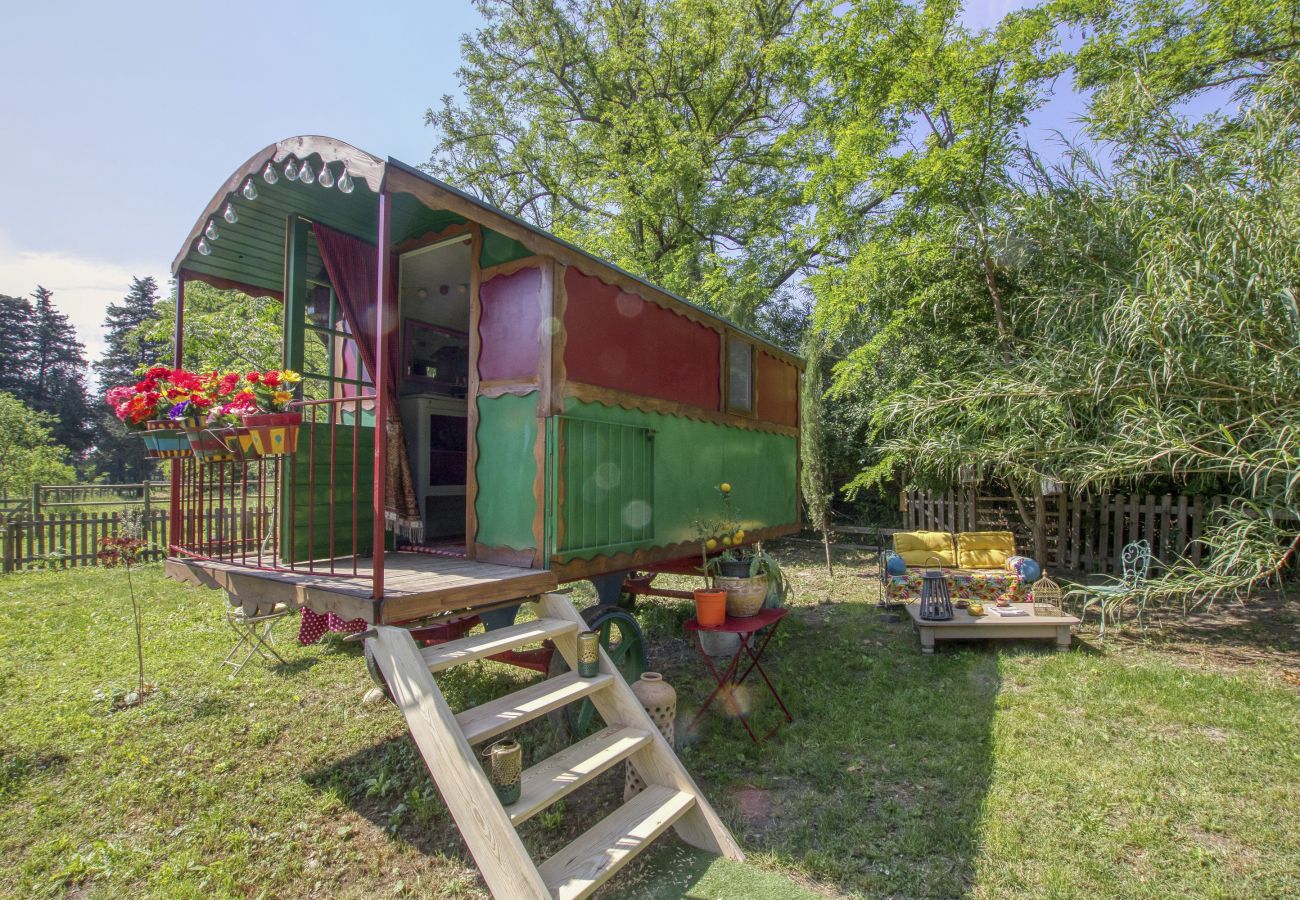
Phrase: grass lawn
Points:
(1163, 765)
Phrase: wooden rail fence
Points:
(1083, 534)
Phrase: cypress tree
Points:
(16, 346)
(117, 454)
(56, 383)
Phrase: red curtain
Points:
(353, 269)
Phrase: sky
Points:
(120, 120)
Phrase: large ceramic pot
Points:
(745, 596)
(660, 702)
(274, 434)
(165, 439)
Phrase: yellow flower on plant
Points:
(725, 488)
(726, 542)
(711, 544)
(290, 376)
(740, 536)
(283, 396)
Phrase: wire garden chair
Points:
(1109, 596)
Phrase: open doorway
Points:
(434, 310)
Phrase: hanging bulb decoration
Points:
(250, 189)
(326, 176)
(305, 174)
(211, 230)
(269, 175)
(229, 214)
(291, 170)
(205, 249)
(345, 181)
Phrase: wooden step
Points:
(573, 767)
(585, 864)
(489, 643)
(512, 710)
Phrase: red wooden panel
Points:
(510, 325)
(617, 340)
(778, 390)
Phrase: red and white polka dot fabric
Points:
(314, 625)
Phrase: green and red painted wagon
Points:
(547, 417)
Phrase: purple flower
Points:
(178, 411)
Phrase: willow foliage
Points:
(1163, 339)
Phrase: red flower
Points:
(271, 378)
(254, 377)
(158, 372)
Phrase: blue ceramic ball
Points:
(894, 565)
(1030, 571)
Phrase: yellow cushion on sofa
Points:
(985, 549)
(921, 548)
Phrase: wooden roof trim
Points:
(225, 284)
(361, 166)
(401, 177)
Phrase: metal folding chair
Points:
(254, 631)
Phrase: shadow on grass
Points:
(877, 786)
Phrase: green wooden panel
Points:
(313, 500)
(691, 459)
(506, 471)
(411, 218)
(608, 473)
(497, 249)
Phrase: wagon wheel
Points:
(375, 674)
(621, 636)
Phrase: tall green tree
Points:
(651, 133)
(56, 383)
(16, 344)
(129, 346)
(919, 122)
(224, 330)
(29, 451)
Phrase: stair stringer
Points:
(657, 762)
(505, 865)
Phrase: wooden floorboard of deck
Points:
(415, 584)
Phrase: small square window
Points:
(740, 375)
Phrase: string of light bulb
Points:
(293, 171)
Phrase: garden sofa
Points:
(980, 565)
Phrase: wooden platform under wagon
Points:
(415, 585)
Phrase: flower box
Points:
(274, 434)
(165, 440)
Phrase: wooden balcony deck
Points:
(415, 585)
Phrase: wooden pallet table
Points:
(990, 626)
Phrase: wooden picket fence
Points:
(64, 540)
(1084, 534)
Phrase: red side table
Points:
(765, 622)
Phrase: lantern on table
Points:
(936, 603)
(1047, 596)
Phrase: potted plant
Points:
(272, 425)
(749, 575)
(143, 407)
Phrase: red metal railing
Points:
(308, 513)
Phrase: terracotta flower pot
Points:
(710, 608)
(274, 434)
(165, 439)
(745, 596)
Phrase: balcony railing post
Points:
(383, 322)
(178, 350)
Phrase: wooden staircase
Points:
(671, 798)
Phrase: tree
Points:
(57, 381)
(224, 330)
(16, 344)
(917, 122)
(1163, 335)
(128, 347)
(27, 446)
(653, 134)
